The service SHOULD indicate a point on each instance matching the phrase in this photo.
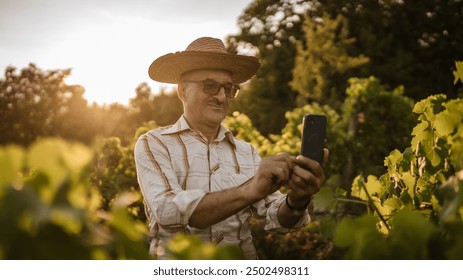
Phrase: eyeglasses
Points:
(212, 87)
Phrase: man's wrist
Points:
(295, 208)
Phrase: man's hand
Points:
(274, 172)
(307, 177)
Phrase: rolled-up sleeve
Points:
(166, 202)
(271, 209)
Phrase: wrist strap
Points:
(294, 208)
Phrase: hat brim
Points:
(170, 67)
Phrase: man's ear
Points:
(181, 91)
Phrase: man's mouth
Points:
(216, 103)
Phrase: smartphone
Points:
(313, 136)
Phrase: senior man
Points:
(196, 178)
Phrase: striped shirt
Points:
(177, 167)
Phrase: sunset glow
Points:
(108, 47)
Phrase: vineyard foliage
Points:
(371, 115)
(415, 209)
(393, 190)
(50, 211)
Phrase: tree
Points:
(377, 121)
(323, 64)
(77, 121)
(164, 108)
(409, 43)
(270, 28)
(113, 173)
(30, 102)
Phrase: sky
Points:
(109, 45)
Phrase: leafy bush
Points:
(50, 211)
(415, 210)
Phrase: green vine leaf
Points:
(324, 200)
(445, 123)
(458, 73)
(411, 232)
(361, 237)
(11, 163)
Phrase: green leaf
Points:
(191, 247)
(358, 188)
(429, 106)
(324, 200)
(456, 155)
(367, 189)
(409, 181)
(83, 196)
(421, 134)
(46, 157)
(389, 207)
(451, 198)
(123, 222)
(76, 156)
(373, 185)
(421, 106)
(411, 233)
(434, 157)
(350, 231)
(393, 159)
(57, 160)
(11, 164)
(445, 123)
(68, 218)
(121, 219)
(458, 73)
(361, 238)
(328, 226)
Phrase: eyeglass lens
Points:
(213, 87)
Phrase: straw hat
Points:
(203, 53)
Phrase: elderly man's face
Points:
(201, 108)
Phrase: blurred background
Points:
(75, 95)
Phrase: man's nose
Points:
(221, 94)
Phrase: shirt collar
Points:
(182, 125)
(179, 126)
